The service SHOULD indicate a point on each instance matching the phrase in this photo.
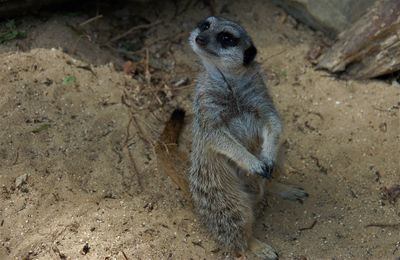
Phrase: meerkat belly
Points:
(215, 176)
(248, 131)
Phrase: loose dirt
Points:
(79, 178)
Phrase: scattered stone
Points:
(300, 257)
(21, 180)
(57, 251)
(396, 83)
(314, 53)
(85, 249)
(392, 193)
(182, 82)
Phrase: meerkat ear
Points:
(249, 55)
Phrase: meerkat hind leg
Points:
(287, 191)
(262, 250)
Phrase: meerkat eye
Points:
(204, 26)
(227, 39)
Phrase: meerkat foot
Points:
(262, 250)
(287, 191)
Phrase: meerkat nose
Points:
(202, 40)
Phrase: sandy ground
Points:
(79, 179)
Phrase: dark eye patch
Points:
(227, 39)
(203, 26)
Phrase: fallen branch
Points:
(371, 47)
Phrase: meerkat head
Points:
(222, 43)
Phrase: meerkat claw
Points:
(288, 192)
(263, 251)
(266, 171)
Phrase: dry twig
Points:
(132, 160)
(309, 227)
(133, 29)
(91, 20)
(383, 225)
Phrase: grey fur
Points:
(235, 133)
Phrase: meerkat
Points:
(235, 131)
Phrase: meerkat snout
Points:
(202, 40)
(249, 55)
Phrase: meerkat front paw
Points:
(267, 171)
(264, 170)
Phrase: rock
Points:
(21, 180)
(329, 16)
(85, 249)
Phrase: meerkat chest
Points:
(240, 101)
(216, 103)
(247, 129)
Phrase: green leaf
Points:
(11, 35)
(69, 80)
(11, 25)
(41, 128)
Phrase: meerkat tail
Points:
(171, 161)
(173, 127)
